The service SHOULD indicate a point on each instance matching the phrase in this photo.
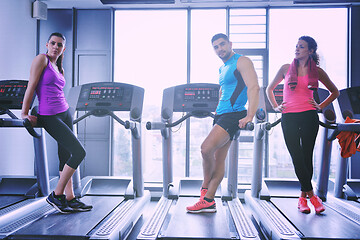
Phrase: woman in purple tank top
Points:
(299, 120)
(47, 81)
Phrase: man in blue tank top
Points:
(238, 85)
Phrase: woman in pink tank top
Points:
(47, 80)
(299, 120)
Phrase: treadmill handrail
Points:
(15, 122)
(30, 129)
(161, 125)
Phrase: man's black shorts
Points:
(229, 121)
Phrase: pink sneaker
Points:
(202, 206)
(202, 193)
(302, 205)
(316, 201)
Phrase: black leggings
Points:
(300, 131)
(60, 127)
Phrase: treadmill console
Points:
(198, 94)
(108, 95)
(278, 93)
(349, 100)
(193, 97)
(354, 97)
(12, 93)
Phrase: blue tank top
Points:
(50, 92)
(233, 89)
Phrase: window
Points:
(248, 35)
(329, 28)
(153, 54)
(150, 53)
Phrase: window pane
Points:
(329, 28)
(248, 28)
(150, 53)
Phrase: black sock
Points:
(57, 195)
(208, 199)
(203, 188)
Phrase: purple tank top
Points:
(50, 92)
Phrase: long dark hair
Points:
(60, 59)
(312, 45)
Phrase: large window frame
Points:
(263, 52)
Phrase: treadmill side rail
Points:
(120, 222)
(244, 226)
(273, 224)
(151, 228)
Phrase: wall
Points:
(17, 50)
(88, 58)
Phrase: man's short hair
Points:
(218, 36)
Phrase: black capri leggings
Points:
(300, 131)
(60, 127)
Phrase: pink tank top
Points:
(50, 92)
(297, 100)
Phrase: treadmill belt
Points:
(328, 225)
(72, 225)
(6, 201)
(183, 225)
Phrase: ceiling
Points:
(88, 4)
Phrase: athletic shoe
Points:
(302, 205)
(59, 203)
(79, 206)
(202, 206)
(316, 201)
(202, 193)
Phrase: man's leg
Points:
(212, 151)
(218, 170)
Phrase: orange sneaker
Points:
(202, 206)
(316, 201)
(202, 193)
(302, 205)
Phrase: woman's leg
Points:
(291, 130)
(68, 144)
(308, 133)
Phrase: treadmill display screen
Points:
(193, 97)
(106, 93)
(201, 94)
(12, 93)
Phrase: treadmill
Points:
(21, 196)
(170, 219)
(344, 187)
(117, 203)
(274, 203)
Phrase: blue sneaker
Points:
(79, 206)
(59, 203)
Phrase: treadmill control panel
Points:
(111, 96)
(12, 93)
(193, 97)
(201, 94)
(278, 93)
(101, 93)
